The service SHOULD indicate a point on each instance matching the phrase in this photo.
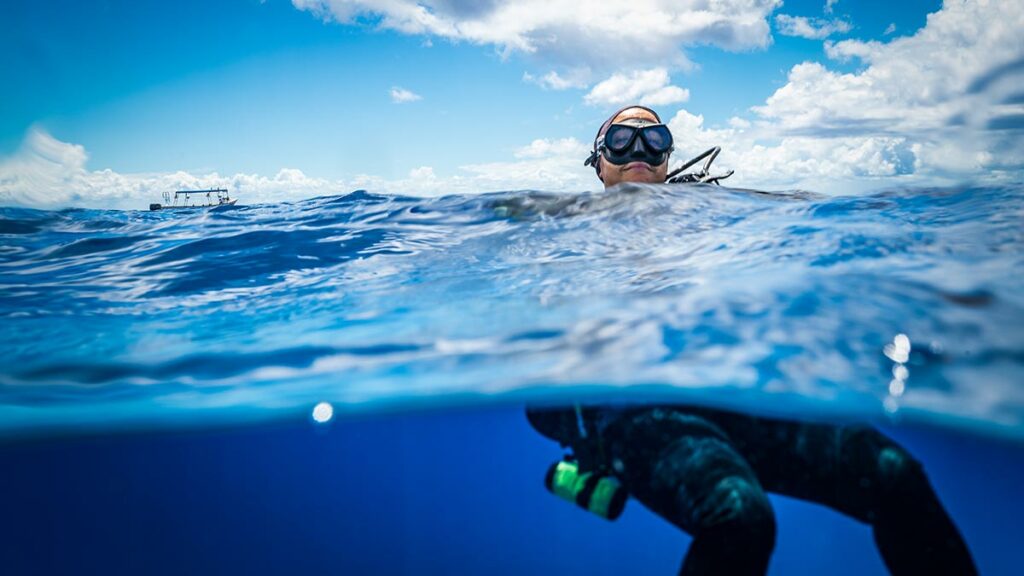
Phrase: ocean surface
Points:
(336, 385)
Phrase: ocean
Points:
(337, 384)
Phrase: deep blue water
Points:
(159, 370)
(449, 492)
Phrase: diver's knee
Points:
(885, 479)
(738, 507)
(735, 533)
(881, 463)
(898, 471)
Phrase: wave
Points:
(778, 302)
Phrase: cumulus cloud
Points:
(811, 28)
(43, 171)
(910, 84)
(604, 36)
(48, 173)
(648, 87)
(422, 173)
(546, 148)
(401, 95)
(830, 164)
(918, 111)
(578, 78)
(542, 165)
(830, 5)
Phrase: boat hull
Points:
(172, 207)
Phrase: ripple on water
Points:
(733, 297)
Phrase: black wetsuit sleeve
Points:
(556, 423)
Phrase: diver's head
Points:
(632, 146)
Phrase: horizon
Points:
(110, 106)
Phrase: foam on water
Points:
(906, 303)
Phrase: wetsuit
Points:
(707, 471)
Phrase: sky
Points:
(108, 104)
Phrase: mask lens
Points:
(658, 138)
(619, 137)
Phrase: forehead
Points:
(635, 114)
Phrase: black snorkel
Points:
(704, 174)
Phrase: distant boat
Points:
(195, 199)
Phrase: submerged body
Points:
(707, 471)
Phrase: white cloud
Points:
(555, 165)
(401, 95)
(48, 173)
(890, 29)
(910, 84)
(665, 95)
(737, 122)
(422, 173)
(43, 171)
(578, 78)
(940, 106)
(545, 148)
(827, 164)
(811, 28)
(648, 87)
(605, 36)
(830, 5)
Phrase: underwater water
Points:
(160, 370)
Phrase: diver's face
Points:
(613, 174)
(633, 172)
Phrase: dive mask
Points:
(633, 140)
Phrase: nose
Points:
(638, 150)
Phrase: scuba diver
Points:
(707, 471)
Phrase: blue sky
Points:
(108, 103)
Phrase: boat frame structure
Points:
(206, 199)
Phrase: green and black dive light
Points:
(601, 494)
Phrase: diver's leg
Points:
(684, 469)
(889, 487)
(860, 472)
(715, 493)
